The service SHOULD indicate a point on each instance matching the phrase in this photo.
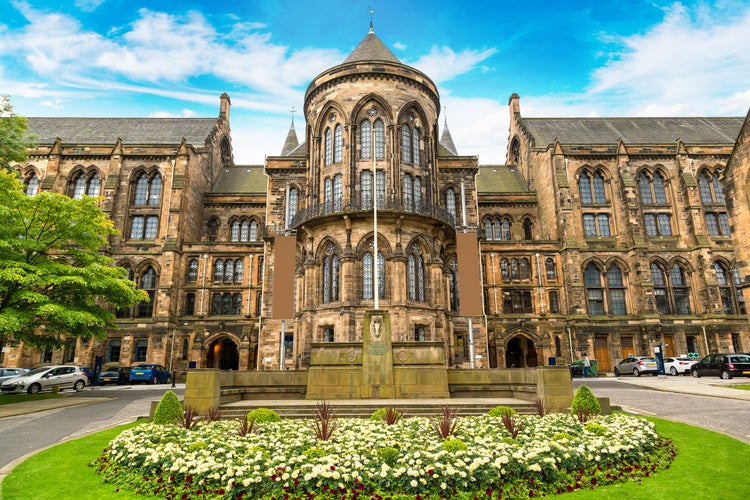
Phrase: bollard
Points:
(174, 373)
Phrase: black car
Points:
(119, 375)
(725, 366)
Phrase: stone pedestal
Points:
(377, 357)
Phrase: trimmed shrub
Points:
(388, 454)
(596, 429)
(454, 445)
(585, 404)
(169, 410)
(263, 415)
(500, 411)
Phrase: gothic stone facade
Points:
(604, 236)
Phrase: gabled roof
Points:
(245, 179)
(499, 179)
(130, 130)
(371, 49)
(722, 130)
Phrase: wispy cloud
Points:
(443, 63)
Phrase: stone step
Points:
(306, 410)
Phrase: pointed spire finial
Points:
(292, 111)
(371, 13)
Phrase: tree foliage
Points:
(54, 282)
(14, 141)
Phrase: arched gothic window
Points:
(406, 144)
(331, 270)
(86, 185)
(591, 188)
(732, 301)
(365, 140)
(368, 278)
(605, 292)
(671, 292)
(415, 146)
(338, 143)
(328, 195)
(450, 205)
(415, 274)
(291, 206)
(379, 139)
(527, 225)
(550, 269)
(32, 184)
(328, 147)
(712, 197)
(192, 273)
(148, 190)
(365, 186)
(338, 192)
(148, 283)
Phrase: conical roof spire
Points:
(446, 140)
(371, 49)
(291, 142)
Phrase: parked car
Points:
(8, 373)
(678, 366)
(636, 365)
(149, 373)
(45, 378)
(115, 375)
(725, 366)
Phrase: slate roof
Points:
(371, 49)
(130, 130)
(291, 143)
(246, 179)
(499, 179)
(721, 130)
(446, 140)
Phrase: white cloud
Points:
(399, 46)
(478, 126)
(185, 113)
(443, 63)
(681, 66)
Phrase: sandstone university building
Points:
(607, 236)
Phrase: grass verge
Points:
(708, 465)
(7, 399)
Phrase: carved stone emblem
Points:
(376, 328)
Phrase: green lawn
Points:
(708, 466)
(7, 399)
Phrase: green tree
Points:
(54, 282)
(14, 141)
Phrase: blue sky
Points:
(573, 58)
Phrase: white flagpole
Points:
(376, 265)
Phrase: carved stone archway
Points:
(222, 352)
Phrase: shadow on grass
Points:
(708, 465)
(7, 399)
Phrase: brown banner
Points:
(469, 277)
(285, 249)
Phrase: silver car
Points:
(9, 373)
(46, 378)
(636, 365)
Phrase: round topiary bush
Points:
(585, 404)
(263, 415)
(169, 410)
(454, 445)
(501, 411)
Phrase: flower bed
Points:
(368, 459)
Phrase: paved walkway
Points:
(704, 386)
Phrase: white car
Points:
(678, 366)
(46, 378)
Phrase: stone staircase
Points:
(365, 408)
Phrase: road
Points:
(725, 415)
(24, 434)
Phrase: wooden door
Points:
(668, 346)
(627, 347)
(601, 353)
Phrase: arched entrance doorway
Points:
(223, 354)
(520, 353)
